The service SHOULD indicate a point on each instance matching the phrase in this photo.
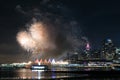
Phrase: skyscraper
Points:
(87, 50)
(117, 56)
(87, 46)
(108, 50)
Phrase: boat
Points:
(39, 67)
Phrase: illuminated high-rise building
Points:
(108, 50)
(87, 46)
(87, 50)
(117, 56)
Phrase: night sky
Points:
(97, 20)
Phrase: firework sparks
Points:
(25, 40)
(52, 34)
(36, 39)
(37, 32)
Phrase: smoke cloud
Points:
(51, 31)
(36, 39)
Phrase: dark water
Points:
(59, 75)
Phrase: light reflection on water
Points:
(37, 74)
(33, 74)
(42, 75)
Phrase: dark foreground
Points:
(59, 75)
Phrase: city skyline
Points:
(92, 21)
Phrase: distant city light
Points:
(88, 46)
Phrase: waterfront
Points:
(66, 74)
(31, 74)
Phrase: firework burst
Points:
(36, 39)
